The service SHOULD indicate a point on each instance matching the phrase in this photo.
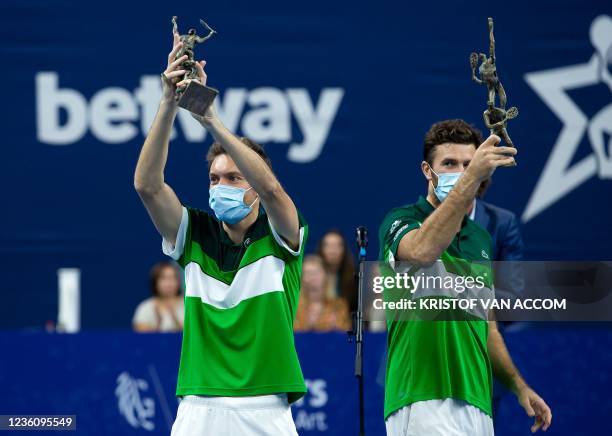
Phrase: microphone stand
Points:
(357, 331)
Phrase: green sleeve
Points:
(395, 225)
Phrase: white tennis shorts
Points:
(245, 416)
(446, 417)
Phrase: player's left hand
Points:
(536, 407)
(211, 114)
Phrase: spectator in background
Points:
(164, 311)
(317, 311)
(340, 267)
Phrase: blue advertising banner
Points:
(123, 383)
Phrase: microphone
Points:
(362, 243)
(362, 240)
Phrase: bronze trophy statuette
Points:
(495, 118)
(195, 97)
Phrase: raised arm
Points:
(425, 244)
(159, 199)
(279, 206)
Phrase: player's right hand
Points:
(488, 157)
(173, 73)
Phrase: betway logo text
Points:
(115, 115)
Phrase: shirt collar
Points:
(424, 206)
(248, 234)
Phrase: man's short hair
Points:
(216, 150)
(456, 132)
(449, 131)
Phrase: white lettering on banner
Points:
(315, 398)
(270, 119)
(112, 109)
(264, 114)
(314, 123)
(48, 101)
(310, 421)
(317, 390)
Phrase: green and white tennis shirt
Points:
(240, 303)
(445, 358)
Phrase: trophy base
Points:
(197, 98)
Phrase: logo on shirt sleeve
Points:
(400, 230)
(394, 225)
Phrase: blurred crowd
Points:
(163, 311)
(328, 294)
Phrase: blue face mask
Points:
(446, 182)
(227, 202)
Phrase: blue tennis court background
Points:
(374, 74)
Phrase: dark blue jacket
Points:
(503, 226)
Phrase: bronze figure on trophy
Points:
(195, 97)
(495, 117)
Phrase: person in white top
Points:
(164, 311)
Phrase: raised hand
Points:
(211, 114)
(489, 156)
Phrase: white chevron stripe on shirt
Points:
(260, 277)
